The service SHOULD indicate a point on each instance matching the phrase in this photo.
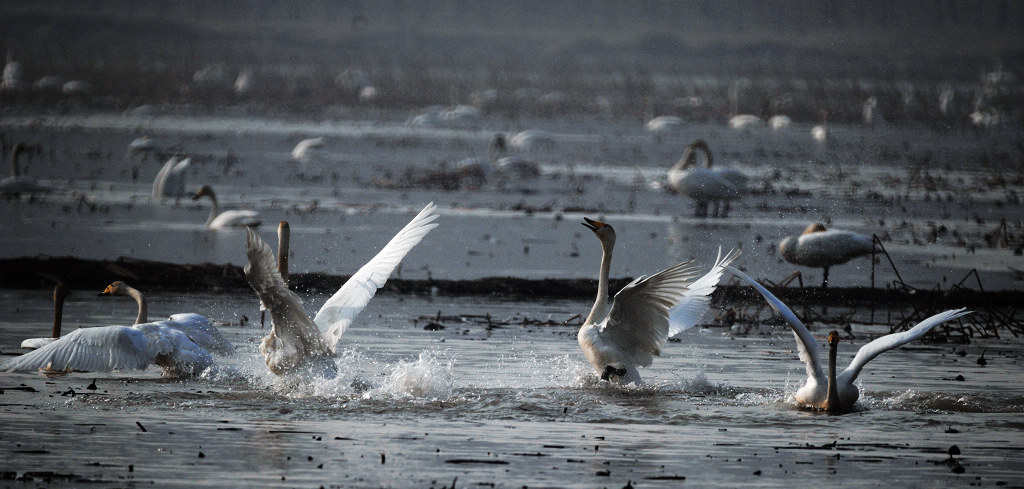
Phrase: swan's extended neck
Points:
(600, 309)
(59, 293)
(15, 171)
(214, 210)
(832, 396)
(283, 238)
(141, 300)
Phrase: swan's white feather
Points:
(170, 180)
(895, 340)
(697, 298)
(344, 306)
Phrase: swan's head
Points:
(604, 232)
(206, 191)
(689, 157)
(833, 338)
(116, 288)
(814, 228)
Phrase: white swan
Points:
(820, 132)
(664, 125)
(300, 345)
(744, 121)
(703, 183)
(627, 333)
(836, 392)
(143, 145)
(179, 345)
(516, 166)
(778, 122)
(227, 219)
(532, 140)
(18, 183)
(872, 117)
(170, 180)
(823, 248)
(60, 292)
(307, 149)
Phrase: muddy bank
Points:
(42, 272)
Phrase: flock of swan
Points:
(620, 335)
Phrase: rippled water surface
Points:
(512, 404)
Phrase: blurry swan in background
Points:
(513, 165)
(227, 219)
(835, 392)
(60, 293)
(823, 248)
(664, 125)
(17, 183)
(703, 183)
(300, 345)
(627, 333)
(180, 345)
(308, 149)
(778, 122)
(170, 180)
(820, 132)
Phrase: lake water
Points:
(510, 405)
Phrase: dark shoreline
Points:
(76, 273)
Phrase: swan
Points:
(226, 219)
(143, 145)
(836, 392)
(820, 132)
(872, 117)
(17, 183)
(823, 248)
(307, 149)
(620, 336)
(482, 168)
(532, 140)
(170, 180)
(664, 125)
(300, 345)
(777, 122)
(180, 345)
(744, 121)
(60, 292)
(704, 183)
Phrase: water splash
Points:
(431, 377)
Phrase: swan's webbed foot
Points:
(610, 370)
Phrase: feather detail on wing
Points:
(90, 350)
(807, 346)
(200, 330)
(697, 299)
(638, 320)
(895, 340)
(292, 328)
(344, 306)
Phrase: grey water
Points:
(506, 404)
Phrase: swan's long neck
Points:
(141, 300)
(600, 309)
(58, 311)
(283, 239)
(214, 210)
(15, 171)
(832, 396)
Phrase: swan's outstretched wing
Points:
(292, 326)
(810, 352)
(202, 331)
(696, 300)
(160, 181)
(888, 342)
(344, 306)
(90, 350)
(638, 320)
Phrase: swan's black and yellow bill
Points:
(107, 291)
(592, 224)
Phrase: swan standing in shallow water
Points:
(835, 392)
(60, 292)
(300, 345)
(620, 336)
(820, 132)
(226, 219)
(823, 248)
(17, 183)
(705, 184)
(180, 345)
(170, 180)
